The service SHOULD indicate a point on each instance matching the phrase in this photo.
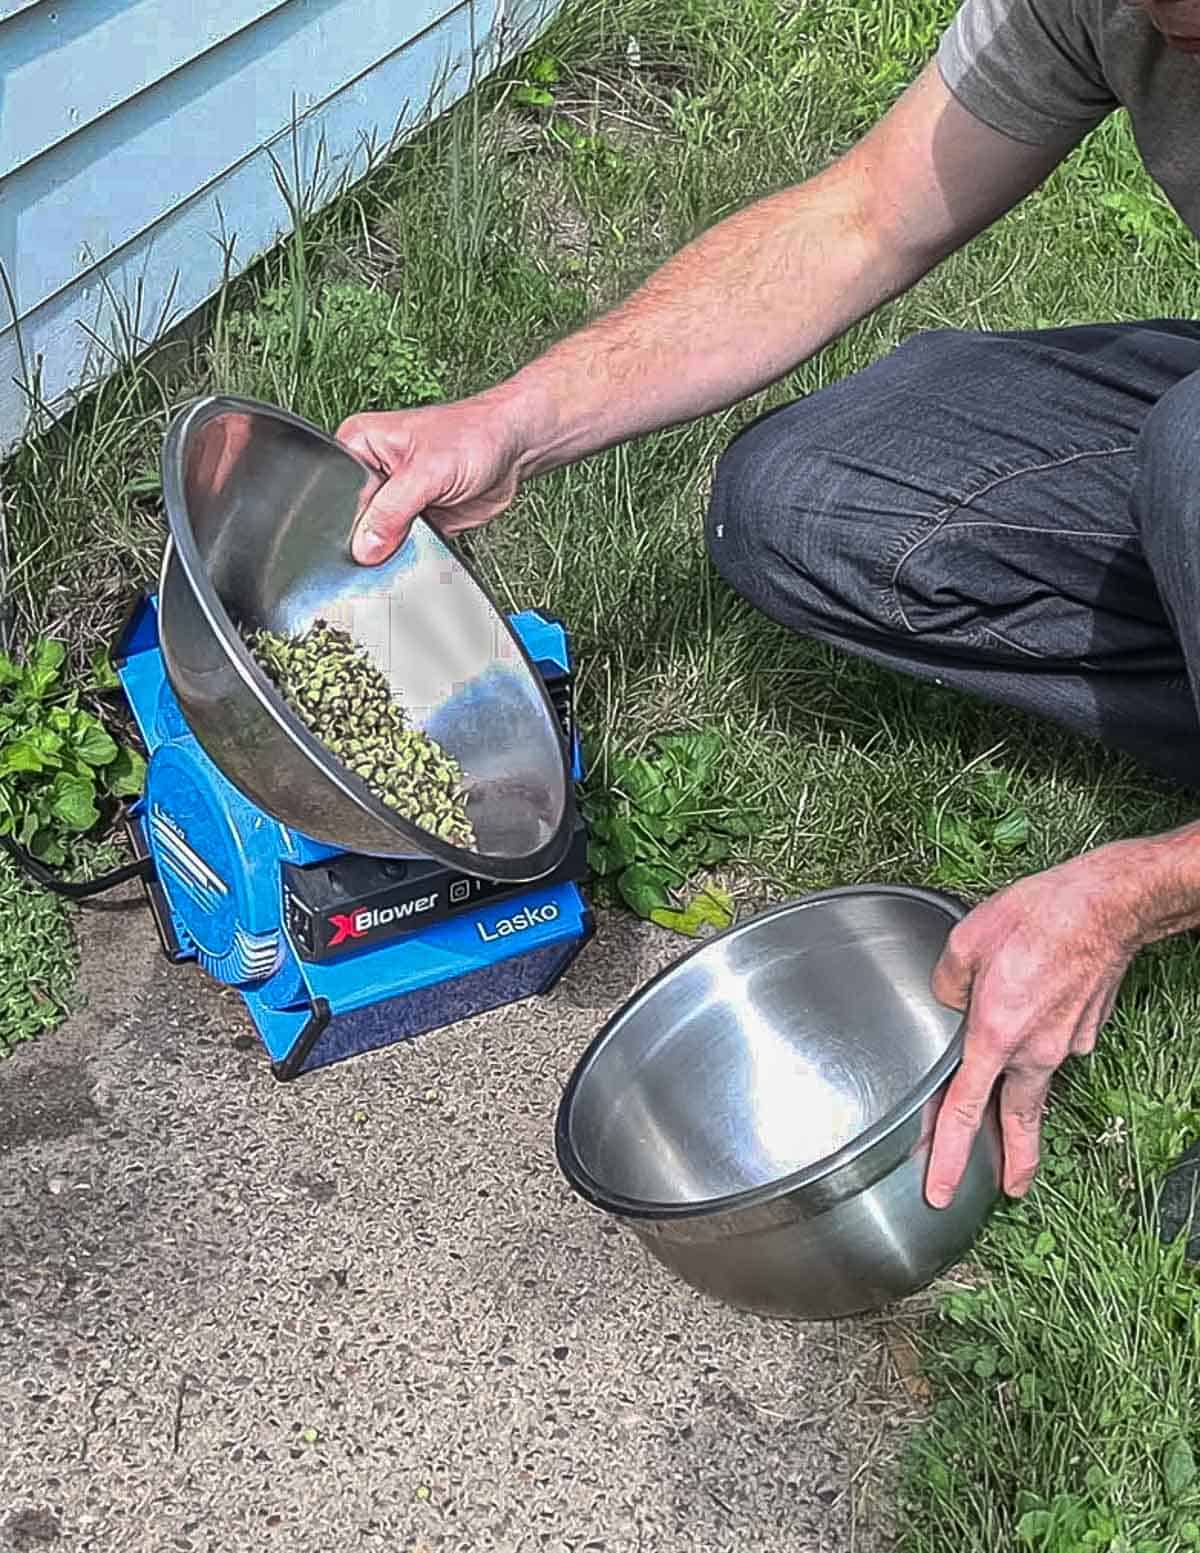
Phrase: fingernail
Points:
(369, 546)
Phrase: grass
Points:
(39, 958)
(1066, 1411)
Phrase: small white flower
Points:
(1115, 1132)
(633, 53)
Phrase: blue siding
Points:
(133, 166)
(50, 86)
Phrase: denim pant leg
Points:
(1010, 514)
(1166, 507)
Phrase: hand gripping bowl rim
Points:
(181, 549)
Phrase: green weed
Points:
(542, 74)
(658, 825)
(57, 761)
(37, 960)
(326, 352)
(979, 820)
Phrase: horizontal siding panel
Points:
(179, 255)
(92, 194)
(65, 65)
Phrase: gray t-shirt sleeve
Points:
(1027, 68)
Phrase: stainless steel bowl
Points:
(261, 507)
(760, 1114)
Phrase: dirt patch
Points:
(39, 1105)
(31, 1529)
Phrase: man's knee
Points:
(783, 464)
(750, 487)
(809, 498)
(786, 529)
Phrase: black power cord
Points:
(143, 869)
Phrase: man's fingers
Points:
(966, 1098)
(962, 1110)
(381, 530)
(1022, 1107)
(353, 433)
(1092, 1021)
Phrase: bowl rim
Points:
(181, 543)
(580, 1177)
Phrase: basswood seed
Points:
(337, 690)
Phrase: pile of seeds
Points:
(336, 690)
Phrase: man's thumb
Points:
(952, 978)
(384, 524)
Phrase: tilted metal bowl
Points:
(261, 508)
(760, 1114)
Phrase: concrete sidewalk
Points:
(364, 1311)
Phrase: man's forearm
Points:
(1156, 883)
(734, 311)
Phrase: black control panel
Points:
(351, 902)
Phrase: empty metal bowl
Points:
(760, 1114)
(261, 508)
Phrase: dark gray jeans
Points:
(1013, 514)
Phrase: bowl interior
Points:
(766, 1051)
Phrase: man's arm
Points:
(735, 310)
(769, 287)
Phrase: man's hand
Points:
(1037, 968)
(454, 464)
